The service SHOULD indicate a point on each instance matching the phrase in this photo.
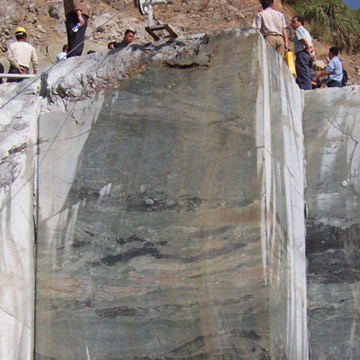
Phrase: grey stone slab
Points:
(174, 239)
(331, 129)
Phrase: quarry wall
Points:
(331, 127)
(155, 197)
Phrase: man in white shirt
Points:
(303, 51)
(272, 25)
(62, 55)
(21, 55)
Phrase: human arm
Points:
(80, 17)
(13, 62)
(321, 74)
(34, 61)
(308, 48)
(304, 38)
(286, 39)
(257, 22)
(81, 8)
(330, 67)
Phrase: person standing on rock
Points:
(77, 13)
(21, 55)
(62, 55)
(1, 72)
(272, 25)
(304, 51)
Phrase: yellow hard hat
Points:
(20, 30)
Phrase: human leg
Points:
(303, 70)
(2, 70)
(75, 39)
(13, 70)
(277, 43)
(333, 83)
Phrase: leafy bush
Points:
(357, 15)
(292, 2)
(333, 21)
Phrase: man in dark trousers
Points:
(77, 13)
(1, 72)
(304, 52)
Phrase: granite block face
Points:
(18, 139)
(158, 194)
(176, 232)
(331, 129)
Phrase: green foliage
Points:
(291, 2)
(357, 15)
(333, 21)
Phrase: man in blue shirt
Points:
(303, 51)
(333, 70)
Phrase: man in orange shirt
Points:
(77, 13)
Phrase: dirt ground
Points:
(44, 20)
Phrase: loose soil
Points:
(44, 20)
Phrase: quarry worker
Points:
(77, 13)
(62, 55)
(334, 69)
(1, 72)
(21, 55)
(128, 39)
(304, 51)
(111, 45)
(272, 25)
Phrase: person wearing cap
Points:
(21, 55)
(128, 39)
(77, 13)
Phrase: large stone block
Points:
(18, 148)
(331, 128)
(171, 221)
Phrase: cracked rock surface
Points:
(332, 134)
(164, 186)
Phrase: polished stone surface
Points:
(177, 227)
(332, 134)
